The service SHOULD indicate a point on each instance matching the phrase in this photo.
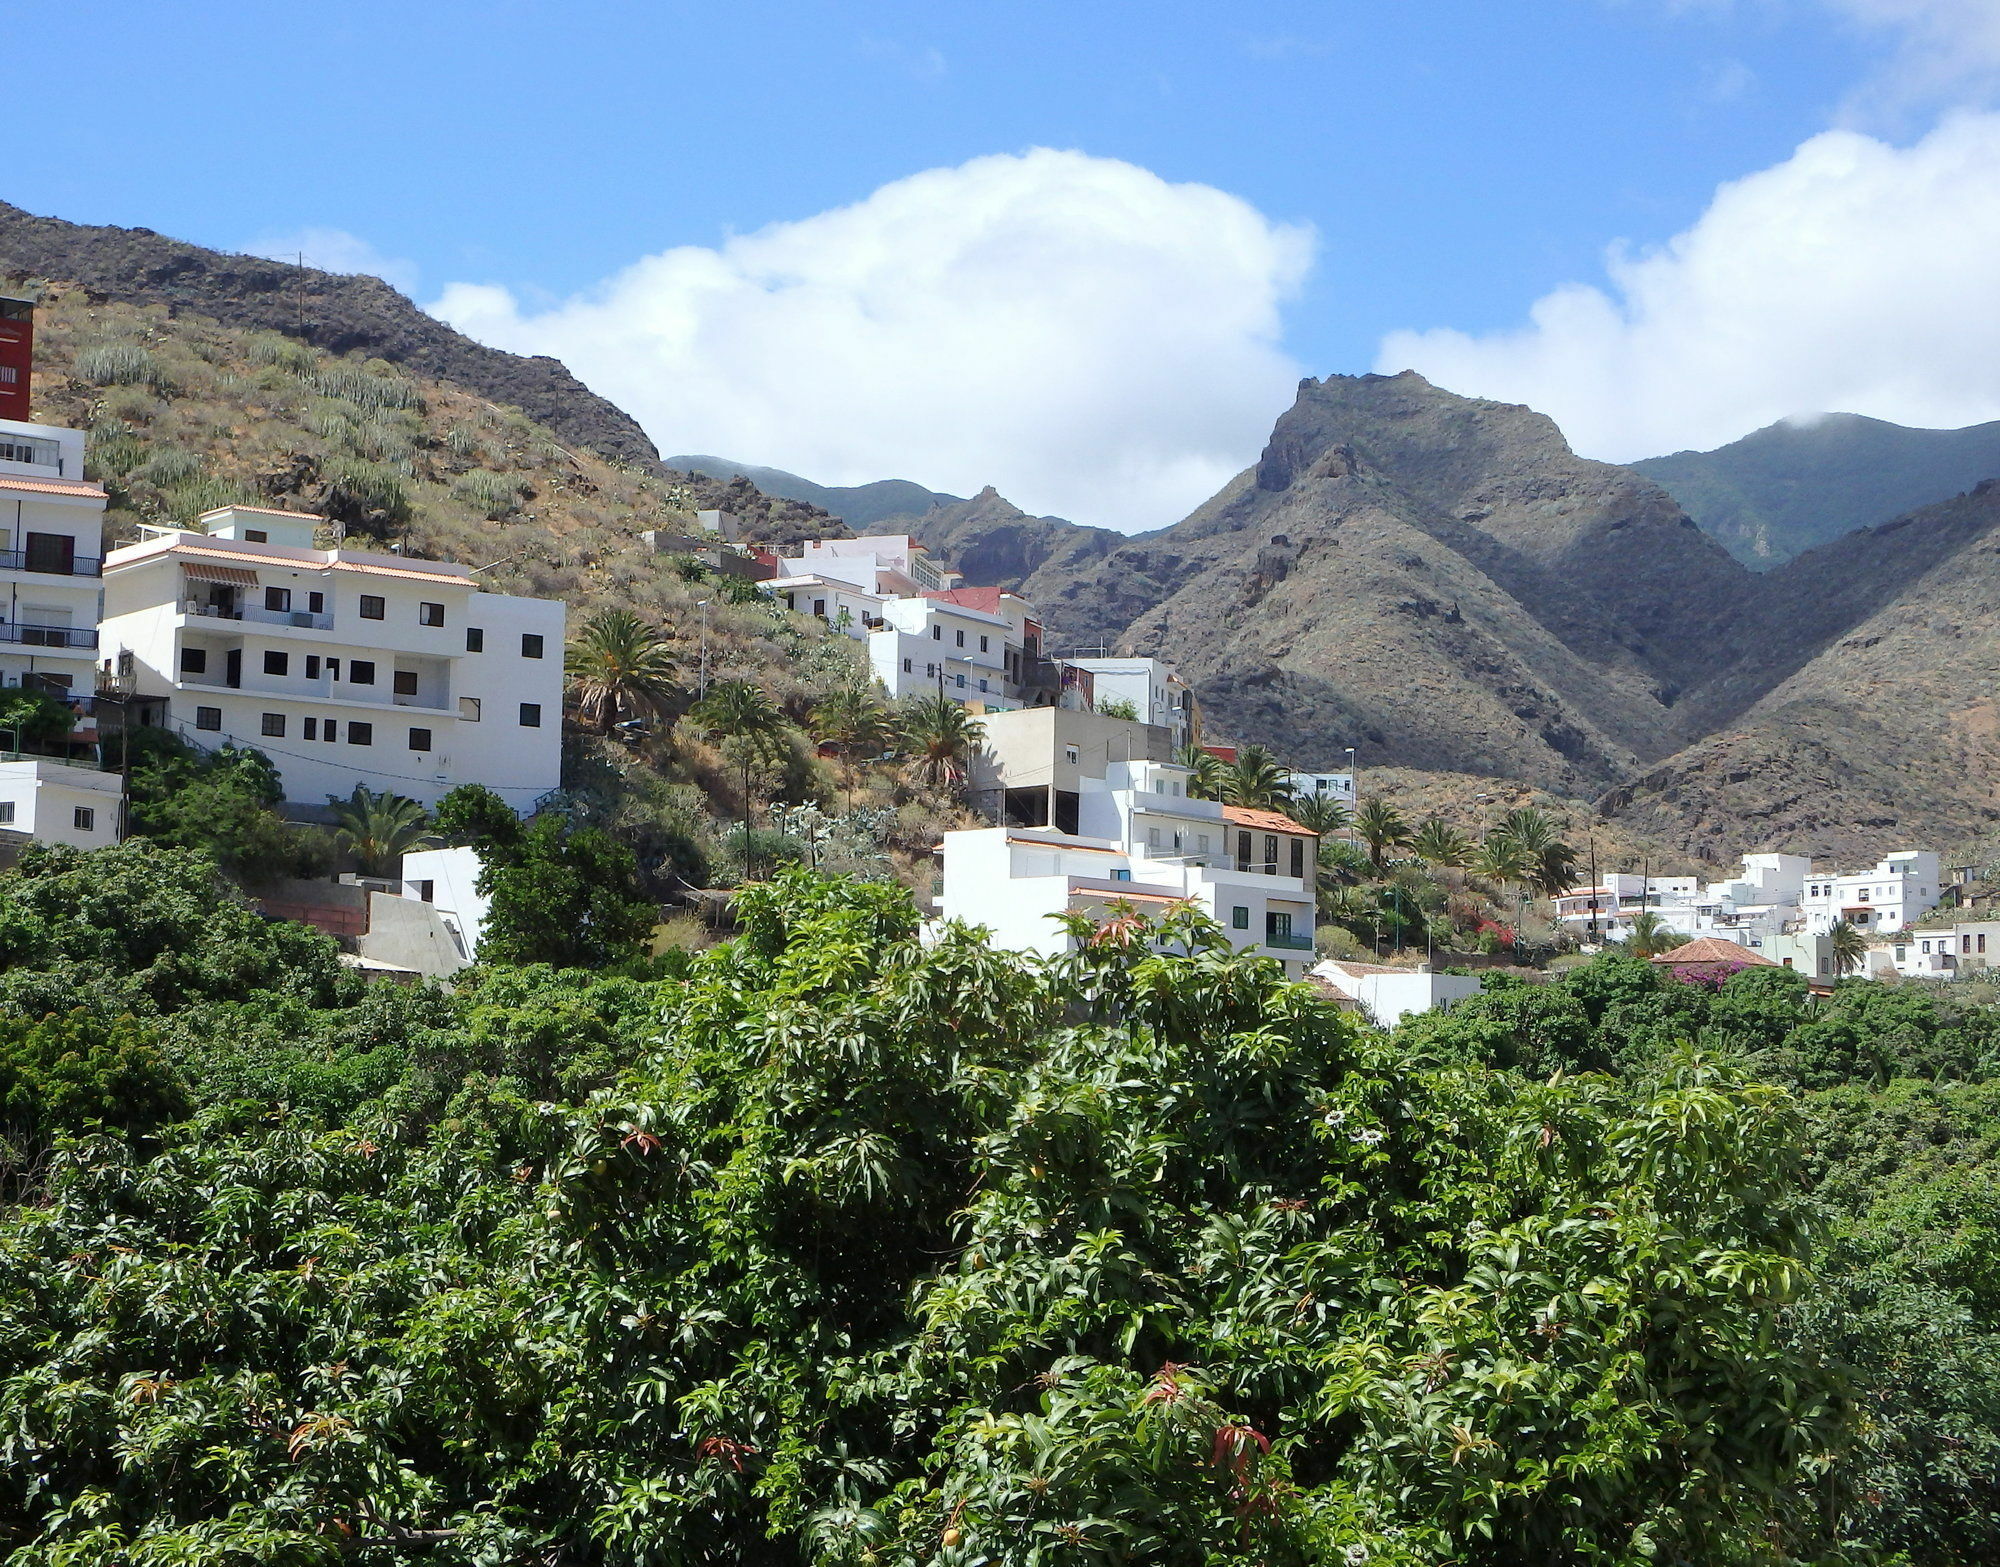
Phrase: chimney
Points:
(17, 356)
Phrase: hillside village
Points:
(374, 683)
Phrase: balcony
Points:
(51, 564)
(295, 619)
(289, 689)
(1288, 943)
(50, 636)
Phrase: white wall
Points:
(45, 795)
(454, 878)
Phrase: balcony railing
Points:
(49, 636)
(52, 565)
(298, 619)
(1288, 943)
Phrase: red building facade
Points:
(17, 356)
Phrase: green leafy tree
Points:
(619, 666)
(1650, 935)
(1382, 828)
(33, 720)
(379, 829)
(742, 715)
(219, 803)
(1117, 707)
(1256, 779)
(475, 816)
(944, 737)
(569, 898)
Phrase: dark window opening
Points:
(372, 607)
(1068, 803)
(1027, 807)
(420, 739)
(429, 614)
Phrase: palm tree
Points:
(618, 664)
(1502, 859)
(1382, 828)
(1553, 869)
(740, 710)
(1211, 773)
(1850, 947)
(1530, 828)
(1650, 936)
(944, 735)
(379, 829)
(1256, 779)
(1321, 813)
(1439, 843)
(851, 720)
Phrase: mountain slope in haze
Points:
(860, 506)
(339, 313)
(1795, 485)
(1879, 724)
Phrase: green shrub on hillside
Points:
(122, 364)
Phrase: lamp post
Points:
(701, 679)
(1353, 795)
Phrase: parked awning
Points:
(208, 571)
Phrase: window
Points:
(208, 718)
(6, 810)
(1239, 918)
(1152, 837)
(819, 608)
(1982, 942)
(1298, 856)
(960, 635)
(420, 739)
(372, 607)
(404, 682)
(468, 709)
(274, 725)
(984, 686)
(327, 730)
(1201, 842)
(50, 552)
(960, 679)
(1964, 943)
(531, 715)
(906, 666)
(1927, 948)
(1270, 855)
(194, 660)
(1122, 873)
(1069, 753)
(982, 644)
(1277, 926)
(312, 666)
(85, 819)
(257, 535)
(279, 599)
(427, 890)
(429, 614)
(9, 375)
(1243, 851)
(316, 603)
(310, 728)
(277, 663)
(937, 633)
(531, 644)
(475, 639)
(333, 669)
(361, 671)
(360, 734)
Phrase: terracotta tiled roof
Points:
(77, 487)
(987, 599)
(1713, 949)
(1264, 821)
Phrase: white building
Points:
(1751, 908)
(60, 802)
(1338, 787)
(1900, 889)
(51, 549)
(1153, 692)
(1141, 839)
(344, 667)
(1388, 995)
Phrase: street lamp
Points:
(1353, 795)
(701, 680)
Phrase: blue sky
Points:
(1443, 166)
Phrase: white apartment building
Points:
(344, 667)
(1140, 839)
(1152, 690)
(1338, 787)
(56, 801)
(1751, 908)
(51, 549)
(1900, 889)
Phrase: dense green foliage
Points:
(831, 1246)
(217, 802)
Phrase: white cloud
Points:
(1097, 342)
(335, 250)
(1945, 49)
(1855, 276)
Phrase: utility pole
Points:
(1595, 886)
(701, 680)
(1353, 794)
